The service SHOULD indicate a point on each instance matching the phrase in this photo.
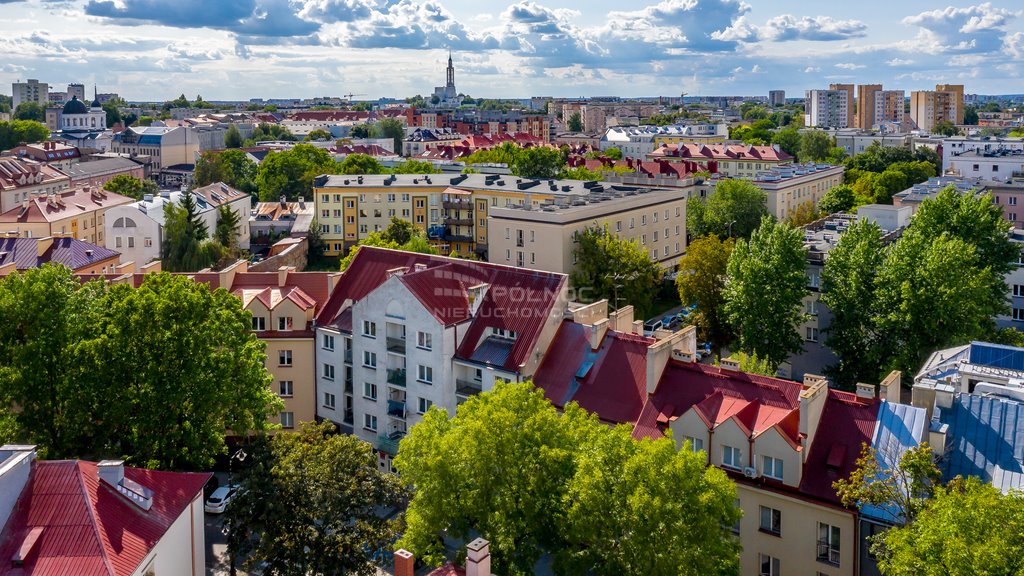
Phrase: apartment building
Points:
(56, 154)
(889, 108)
(866, 105)
(829, 108)
(639, 141)
(732, 160)
(452, 210)
(21, 179)
(99, 171)
(776, 98)
(945, 103)
(79, 213)
(30, 90)
(856, 141)
(544, 237)
(784, 443)
(403, 332)
(164, 145)
(955, 146)
(998, 163)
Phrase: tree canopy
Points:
(600, 501)
(734, 209)
(575, 123)
(703, 272)
(18, 132)
(609, 267)
(815, 146)
(318, 134)
(308, 504)
(290, 173)
(30, 111)
(360, 164)
(130, 186)
(232, 167)
(154, 374)
(538, 162)
(765, 292)
(232, 138)
(838, 199)
(399, 235)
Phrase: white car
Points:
(219, 500)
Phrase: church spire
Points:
(451, 71)
(95, 97)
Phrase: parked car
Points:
(651, 325)
(219, 500)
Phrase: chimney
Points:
(42, 245)
(282, 275)
(302, 203)
(478, 558)
(889, 389)
(284, 202)
(812, 404)
(111, 471)
(597, 332)
(476, 297)
(405, 563)
(866, 391)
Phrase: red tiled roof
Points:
(448, 570)
(847, 423)
(88, 528)
(443, 292)
(557, 373)
(45, 208)
(721, 152)
(271, 296)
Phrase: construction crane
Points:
(349, 96)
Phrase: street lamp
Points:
(731, 222)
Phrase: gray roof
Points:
(898, 428)
(985, 439)
(80, 170)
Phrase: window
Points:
(369, 329)
(1018, 313)
(424, 405)
(812, 307)
(370, 422)
(1012, 201)
(772, 467)
(284, 323)
(369, 359)
(117, 242)
(329, 400)
(632, 223)
(696, 444)
(643, 219)
(425, 374)
(828, 544)
(284, 358)
(287, 420)
(370, 391)
(131, 241)
(287, 388)
(329, 371)
(812, 334)
(769, 565)
(424, 340)
(732, 457)
(328, 342)
(259, 323)
(618, 225)
(508, 254)
(771, 520)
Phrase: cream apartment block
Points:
(946, 102)
(452, 210)
(21, 179)
(166, 146)
(790, 186)
(544, 237)
(76, 213)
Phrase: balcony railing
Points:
(455, 221)
(348, 356)
(396, 377)
(827, 553)
(457, 238)
(349, 417)
(457, 205)
(396, 345)
(389, 442)
(396, 408)
(468, 388)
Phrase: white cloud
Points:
(788, 27)
(850, 66)
(899, 62)
(978, 28)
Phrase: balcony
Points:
(389, 442)
(396, 345)
(396, 408)
(455, 221)
(397, 376)
(457, 204)
(349, 417)
(468, 388)
(827, 553)
(457, 237)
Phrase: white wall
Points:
(182, 550)
(145, 227)
(14, 472)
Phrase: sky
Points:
(154, 50)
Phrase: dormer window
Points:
(502, 333)
(284, 323)
(259, 323)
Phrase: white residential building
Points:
(403, 332)
(30, 91)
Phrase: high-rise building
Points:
(827, 108)
(76, 90)
(946, 102)
(866, 105)
(849, 89)
(889, 107)
(30, 91)
(776, 97)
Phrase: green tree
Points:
(131, 186)
(232, 138)
(267, 131)
(967, 528)
(360, 131)
(788, 139)
(360, 164)
(316, 245)
(290, 173)
(971, 115)
(803, 214)
(400, 231)
(308, 503)
(765, 292)
(390, 128)
(888, 183)
(228, 226)
(608, 267)
(601, 501)
(30, 111)
(318, 134)
(701, 281)
(613, 153)
(184, 233)
(415, 167)
(18, 132)
(945, 128)
(902, 490)
(145, 121)
(417, 243)
(751, 364)
(575, 123)
(815, 146)
(538, 162)
(837, 199)
(113, 113)
(232, 167)
(734, 209)
(849, 282)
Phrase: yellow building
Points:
(849, 89)
(452, 210)
(945, 103)
(75, 213)
(866, 105)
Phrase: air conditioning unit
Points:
(750, 472)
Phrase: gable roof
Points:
(71, 252)
(55, 207)
(847, 423)
(721, 152)
(88, 528)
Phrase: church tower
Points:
(451, 72)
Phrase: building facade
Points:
(827, 109)
(78, 213)
(165, 146)
(945, 103)
(30, 90)
(732, 160)
(22, 179)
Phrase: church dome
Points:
(75, 106)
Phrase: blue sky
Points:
(238, 49)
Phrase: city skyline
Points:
(155, 50)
